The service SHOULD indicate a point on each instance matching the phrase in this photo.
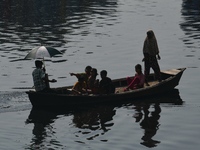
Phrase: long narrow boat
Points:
(170, 79)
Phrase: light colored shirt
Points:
(38, 75)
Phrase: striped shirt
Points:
(38, 75)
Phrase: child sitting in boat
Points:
(106, 86)
(80, 87)
(93, 83)
(137, 81)
(85, 74)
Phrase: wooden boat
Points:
(170, 79)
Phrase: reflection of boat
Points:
(170, 80)
(171, 96)
(96, 121)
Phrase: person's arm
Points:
(145, 47)
(157, 50)
(145, 56)
(144, 50)
(134, 82)
(72, 74)
(46, 78)
(77, 75)
(158, 56)
(53, 80)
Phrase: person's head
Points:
(88, 69)
(94, 72)
(103, 73)
(138, 68)
(150, 34)
(38, 64)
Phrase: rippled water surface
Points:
(106, 34)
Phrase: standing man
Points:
(151, 54)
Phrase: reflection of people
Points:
(95, 118)
(42, 128)
(40, 79)
(149, 123)
(150, 51)
(137, 81)
(106, 86)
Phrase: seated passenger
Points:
(80, 86)
(137, 81)
(40, 78)
(106, 86)
(93, 83)
(85, 74)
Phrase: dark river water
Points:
(106, 34)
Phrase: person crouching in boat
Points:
(137, 81)
(80, 86)
(85, 74)
(40, 78)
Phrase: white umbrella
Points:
(41, 52)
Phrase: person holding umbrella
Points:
(40, 79)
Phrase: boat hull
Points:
(171, 80)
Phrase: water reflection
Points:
(94, 119)
(148, 115)
(89, 123)
(67, 25)
(49, 22)
(149, 121)
(99, 118)
(42, 129)
(191, 23)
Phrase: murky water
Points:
(106, 34)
